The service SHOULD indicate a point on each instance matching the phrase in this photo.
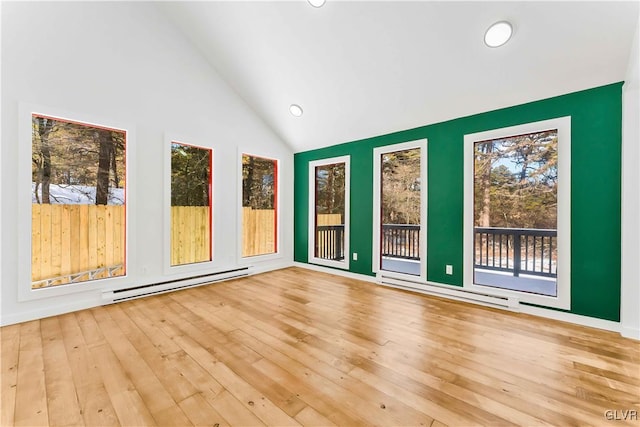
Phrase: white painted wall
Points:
(630, 308)
(125, 63)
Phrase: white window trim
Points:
(197, 266)
(563, 125)
(377, 153)
(311, 258)
(25, 292)
(249, 260)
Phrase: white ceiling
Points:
(366, 68)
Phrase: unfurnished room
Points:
(320, 213)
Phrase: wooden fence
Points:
(329, 219)
(190, 234)
(76, 243)
(71, 239)
(258, 231)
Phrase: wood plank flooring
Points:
(296, 347)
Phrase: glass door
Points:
(517, 226)
(401, 206)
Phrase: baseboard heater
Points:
(510, 303)
(172, 285)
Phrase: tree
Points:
(515, 181)
(105, 144)
(401, 187)
(42, 155)
(330, 189)
(258, 182)
(75, 154)
(190, 173)
(485, 158)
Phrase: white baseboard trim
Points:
(577, 319)
(264, 268)
(592, 322)
(337, 272)
(627, 332)
(94, 299)
(43, 313)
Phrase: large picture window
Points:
(78, 192)
(259, 206)
(518, 207)
(191, 204)
(329, 211)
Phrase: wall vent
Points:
(172, 285)
(452, 292)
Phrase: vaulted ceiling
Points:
(366, 68)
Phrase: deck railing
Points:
(398, 241)
(401, 241)
(330, 242)
(516, 250)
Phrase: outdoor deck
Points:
(399, 265)
(524, 283)
(517, 259)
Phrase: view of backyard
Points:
(78, 204)
(400, 211)
(515, 212)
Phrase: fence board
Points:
(45, 259)
(108, 235)
(56, 240)
(119, 248)
(93, 239)
(258, 232)
(101, 237)
(195, 240)
(74, 240)
(328, 219)
(70, 239)
(36, 243)
(83, 238)
(65, 240)
(190, 231)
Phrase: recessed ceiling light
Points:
(296, 110)
(316, 3)
(498, 34)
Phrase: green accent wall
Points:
(596, 145)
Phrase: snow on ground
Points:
(77, 195)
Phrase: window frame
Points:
(196, 266)
(563, 282)
(248, 260)
(422, 144)
(311, 258)
(24, 202)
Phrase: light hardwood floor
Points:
(296, 347)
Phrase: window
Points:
(78, 192)
(329, 211)
(191, 204)
(517, 225)
(400, 203)
(259, 206)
